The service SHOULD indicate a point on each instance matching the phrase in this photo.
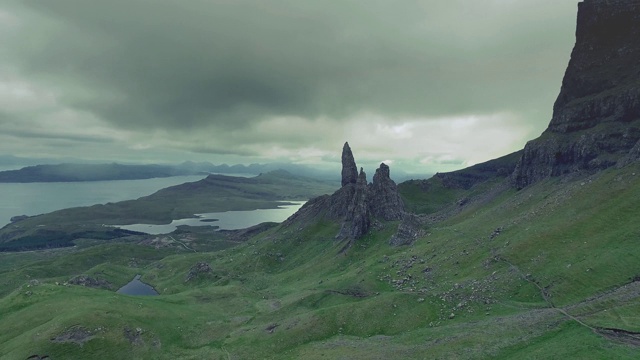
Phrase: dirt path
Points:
(620, 295)
(183, 244)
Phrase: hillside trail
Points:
(182, 243)
(619, 296)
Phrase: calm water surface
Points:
(137, 287)
(228, 220)
(40, 198)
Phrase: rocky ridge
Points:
(357, 205)
(596, 117)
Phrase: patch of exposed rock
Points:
(197, 270)
(88, 281)
(409, 230)
(596, 117)
(76, 335)
(134, 336)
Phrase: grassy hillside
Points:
(454, 188)
(544, 273)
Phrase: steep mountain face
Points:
(596, 117)
(357, 204)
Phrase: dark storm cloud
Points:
(44, 134)
(425, 84)
(183, 64)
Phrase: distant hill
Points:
(88, 172)
(47, 170)
(215, 193)
(71, 172)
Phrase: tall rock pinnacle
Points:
(357, 220)
(349, 169)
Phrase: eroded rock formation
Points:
(386, 203)
(596, 117)
(357, 204)
(357, 220)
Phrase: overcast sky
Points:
(425, 85)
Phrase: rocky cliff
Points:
(596, 117)
(357, 204)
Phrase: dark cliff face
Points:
(596, 117)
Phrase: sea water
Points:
(39, 198)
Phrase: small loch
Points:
(227, 220)
(137, 287)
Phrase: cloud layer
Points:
(253, 80)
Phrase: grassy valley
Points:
(533, 255)
(546, 272)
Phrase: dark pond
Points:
(137, 287)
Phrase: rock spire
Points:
(349, 168)
(387, 204)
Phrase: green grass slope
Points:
(547, 272)
(445, 189)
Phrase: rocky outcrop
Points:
(409, 230)
(18, 218)
(76, 334)
(365, 203)
(357, 219)
(88, 281)
(356, 205)
(386, 203)
(198, 270)
(596, 117)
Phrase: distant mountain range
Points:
(79, 171)
(69, 172)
